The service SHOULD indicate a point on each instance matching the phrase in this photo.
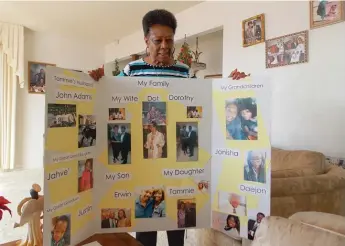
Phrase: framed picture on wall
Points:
(287, 50)
(253, 30)
(37, 77)
(324, 13)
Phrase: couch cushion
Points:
(331, 222)
(286, 163)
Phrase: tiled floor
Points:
(15, 186)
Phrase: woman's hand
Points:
(97, 74)
(237, 75)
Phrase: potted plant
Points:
(117, 70)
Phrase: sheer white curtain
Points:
(11, 72)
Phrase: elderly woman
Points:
(159, 28)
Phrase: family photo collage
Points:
(143, 161)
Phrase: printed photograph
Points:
(231, 203)
(287, 50)
(62, 115)
(228, 223)
(37, 76)
(203, 186)
(87, 131)
(85, 175)
(241, 121)
(253, 225)
(324, 13)
(194, 112)
(150, 203)
(186, 213)
(154, 112)
(119, 143)
(61, 230)
(187, 141)
(117, 114)
(115, 218)
(255, 166)
(253, 30)
(155, 141)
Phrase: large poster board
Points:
(136, 154)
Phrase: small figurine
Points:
(30, 210)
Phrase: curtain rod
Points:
(3, 22)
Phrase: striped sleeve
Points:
(125, 71)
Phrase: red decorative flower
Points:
(3, 207)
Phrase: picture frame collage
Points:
(292, 48)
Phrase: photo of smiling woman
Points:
(232, 226)
(241, 122)
(150, 203)
(254, 167)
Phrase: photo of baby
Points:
(115, 218)
(85, 175)
(154, 112)
(186, 213)
(155, 141)
(255, 167)
(241, 119)
(62, 115)
(87, 131)
(194, 112)
(117, 114)
(231, 203)
(150, 203)
(61, 230)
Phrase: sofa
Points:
(301, 180)
(304, 228)
(304, 180)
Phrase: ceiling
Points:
(102, 22)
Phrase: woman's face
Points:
(231, 112)
(246, 114)
(200, 185)
(160, 43)
(182, 206)
(158, 196)
(59, 230)
(88, 165)
(232, 222)
(121, 214)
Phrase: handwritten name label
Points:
(63, 204)
(184, 172)
(72, 81)
(181, 98)
(153, 98)
(71, 156)
(73, 96)
(227, 152)
(152, 83)
(122, 194)
(57, 174)
(181, 191)
(230, 87)
(117, 176)
(254, 190)
(124, 98)
(85, 210)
